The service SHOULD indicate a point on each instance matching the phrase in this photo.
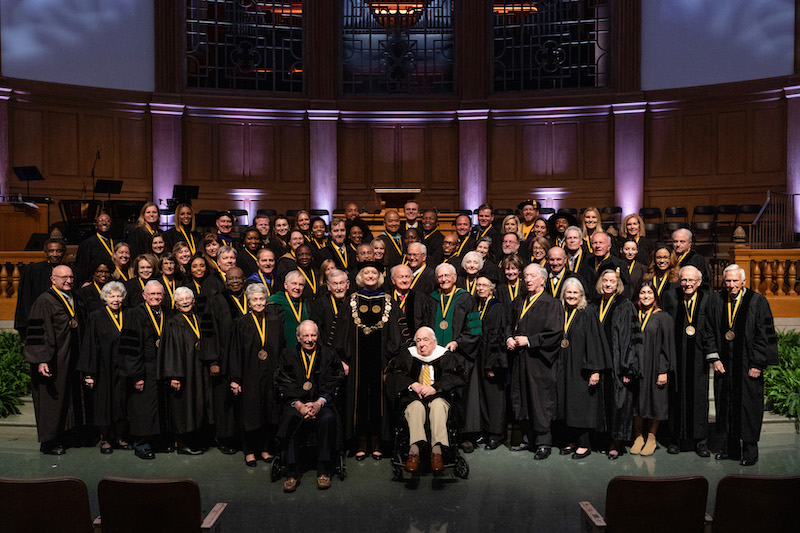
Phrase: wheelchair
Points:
(339, 454)
(451, 455)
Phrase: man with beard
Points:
(529, 210)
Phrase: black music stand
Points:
(182, 194)
(27, 175)
(108, 187)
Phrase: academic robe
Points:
(213, 284)
(139, 361)
(740, 398)
(492, 356)
(89, 299)
(216, 324)
(139, 241)
(688, 390)
(247, 261)
(100, 358)
(656, 357)
(463, 326)
(696, 260)
(404, 370)
(466, 244)
(496, 249)
(624, 341)
(597, 268)
(326, 377)
(34, 281)
(413, 309)
(646, 248)
(345, 262)
(178, 358)
(579, 405)
(425, 281)
(583, 267)
(635, 272)
(506, 295)
(367, 356)
(264, 279)
(135, 288)
(433, 242)
(172, 237)
(256, 376)
(326, 317)
(285, 263)
(278, 304)
(534, 376)
(554, 287)
(57, 399)
(90, 250)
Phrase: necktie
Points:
(425, 375)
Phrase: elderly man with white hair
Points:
(423, 279)
(535, 334)
(696, 345)
(747, 347)
(423, 375)
(682, 244)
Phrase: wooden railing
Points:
(11, 264)
(772, 273)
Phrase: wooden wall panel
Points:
(63, 144)
(262, 153)
(698, 144)
(383, 156)
(293, 155)
(664, 151)
(732, 142)
(443, 156)
(536, 146)
(198, 153)
(503, 155)
(351, 158)
(26, 138)
(134, 137)
(231, 151)
(412, 156)
(98, 133)
(769, 139)
(566, 150)
(597, 151)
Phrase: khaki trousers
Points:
(436, 412)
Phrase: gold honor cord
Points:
(122, 274)
(116, 323)
(312, 282)
(471, 288)
(483, 234)
(298, 313)
(579, 258)
(196, 286)
(141, 282)
(147, 227)
(529, 304)
(251, 255)
(690, 306)
(109, 249)
(661, 283)
(308, 362)
(343, 258)
(96, 287)
(335, 306)
(604, 308)
(262, 328)
(267, 284)
(597, 266)
(193, 325)
(485, 307)
(449, 301)
(588, 242)
(419, 275)
(513, 292)
(242, 306)
(216, 265)
(223, 276)
(555, 286)
(732, 313)
(568, 319)
(70, 309)
(683, 256)
(461, 246)
(402, 301)
(170, 287)
(630, 267)
(646, 318)
(526, 232)
(159, 327)
(189, 240)
(396, 246)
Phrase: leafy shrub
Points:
(15, 379)
(782, 382)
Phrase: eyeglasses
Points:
(63, 277)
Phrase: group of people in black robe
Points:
(588, 340)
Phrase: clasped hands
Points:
(309, 409)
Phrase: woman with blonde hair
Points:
(632, 227)
(590, 224)
(146, 227)
(184, 230)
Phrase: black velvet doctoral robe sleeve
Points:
(137, 345)
(492, 350)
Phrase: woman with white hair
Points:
(99, 364)
(181, 363)
(583, 360)
(255, 346)
(472, 264)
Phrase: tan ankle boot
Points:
(650, 445)
(638, 444)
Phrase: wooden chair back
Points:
(59, 504)
(757, 503)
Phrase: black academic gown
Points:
(636, 273)
(554, 287)
(404, 370)
(100, 359)
(433, 242)
(465, 245)
(740, 398)
(688, 398)
(139, 241)
(247, 261)
(696, 260)
(346, 265)
(326, 317)
(89, 299)
(624, 342)
(646, 248)
(57, 399)
(596, 269)
(496, 249)
(90, 250)
(178, 358)
(172, 237)
(255, 375)
(492, 357)
(139, 361)
(656, 357)
(506, 295)
(217, 325)
(580, 405)
(34, 281)
(534, 376)
(425, 281)
(367, 356)
(413, 310)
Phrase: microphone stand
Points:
(96, 158)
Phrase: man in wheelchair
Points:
(307, 379)
(423, 376)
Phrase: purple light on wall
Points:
(5, 167)
(472, 157)
(323, 164)
(793, 149)
(629, 156)
(167, 150)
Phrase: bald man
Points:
(392, 238)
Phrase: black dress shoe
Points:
(165, 449)
(361, 457)
(467, 447)
(748, 462)
(673, 449)
(250, 464)
(542, 452)
(145, 454)
(267, 460)
(105, 450)
(577, 455)
(185, 450)
(721, 456)
(566, 450)
(702, 450)
(120, 445)
(521, 447)
(480, 441)
(493, 444)
(56, 449)
(227, 450)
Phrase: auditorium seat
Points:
(756, 503)
(650, 215)
(58, 504)
(655, 505)
(153, 506)
(546, 212)
(268, 212)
